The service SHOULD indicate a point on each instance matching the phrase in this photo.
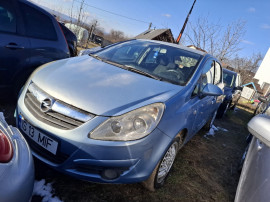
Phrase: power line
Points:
(113, 13)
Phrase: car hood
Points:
(100, 88)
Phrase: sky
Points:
(172, 13)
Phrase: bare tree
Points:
(202, 34)
(116, 35)
(231, 39)
(246, 66)
(220, 42)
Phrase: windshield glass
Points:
(228, 79)
(164, 62)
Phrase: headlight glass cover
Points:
(130, 126)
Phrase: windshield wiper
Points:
(130, 68)
(96, 57)
(127, 67)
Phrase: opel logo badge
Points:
(46, 105)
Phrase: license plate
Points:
(43, 140)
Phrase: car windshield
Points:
(228, 79)
(155, 60)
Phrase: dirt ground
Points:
(206, 169)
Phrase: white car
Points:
(16, 165)
(254, 181)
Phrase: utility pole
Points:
(150, 25)
(184, 26)
(93, 27)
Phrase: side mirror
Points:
(259, 126)
(262, 99)
(212, 90)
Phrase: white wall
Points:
(263, 73)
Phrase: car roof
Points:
(176, 46)
(229, 71)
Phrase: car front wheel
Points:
(160, 173)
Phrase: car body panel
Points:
(254, 180)
(17, 176)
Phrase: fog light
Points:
(110, 174)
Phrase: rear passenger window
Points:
(37, 24)
(7, 17)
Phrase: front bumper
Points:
(17, 176)
(96, 160)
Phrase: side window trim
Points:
(221, 73)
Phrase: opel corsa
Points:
(120, 115)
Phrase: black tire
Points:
(164, 166)
(210, 122)
(222, 109)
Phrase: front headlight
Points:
(130, 126)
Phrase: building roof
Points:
(153, 34)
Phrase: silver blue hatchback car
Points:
(119, 115)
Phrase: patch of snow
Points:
(211, 131)
(222, 129)
(45, 190)
(214, 128)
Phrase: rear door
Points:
(14, 46)
(46, 38)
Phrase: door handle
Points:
(14, 46)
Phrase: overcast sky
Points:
(171, 13)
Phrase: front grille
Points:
(60, 115)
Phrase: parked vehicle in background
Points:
(29, 37)
(71, 40)
(81, 33)
(120, 115)
(254, 181)
(16, 165)
(232, 91)
(89, 51)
